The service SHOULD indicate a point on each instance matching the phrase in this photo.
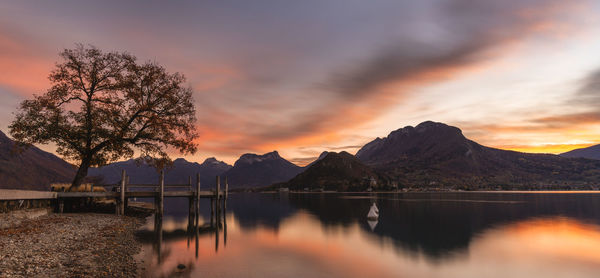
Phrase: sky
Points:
(302, 77)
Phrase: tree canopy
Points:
(104, 106)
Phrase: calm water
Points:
(417, 235)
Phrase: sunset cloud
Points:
(469, 35)
(269, 75)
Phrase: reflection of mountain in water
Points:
(250, 210)
(440, 223)
(433, 223)
(260, 209)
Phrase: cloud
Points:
(589, 92)
(270, 75)
(24, 66)
(463, 35)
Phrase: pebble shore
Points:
(69, 245)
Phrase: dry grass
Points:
(86, 187)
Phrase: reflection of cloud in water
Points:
(170, 223)
(435, 237)
(301, 247)
(437, 227)
(549, 247)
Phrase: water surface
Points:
(418, 235)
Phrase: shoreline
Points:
(70, 244)
(431, 191)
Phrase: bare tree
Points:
(104, 106)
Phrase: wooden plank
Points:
(9, 194)
(142, 194)
(156, 185)
(88, 194)
(132, 194)
(141, 185)
(179, 194)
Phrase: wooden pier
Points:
(124, 190)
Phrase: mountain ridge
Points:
(436, 154)
(253, 170)
(32, 169)
(591, 152)
(178, 173)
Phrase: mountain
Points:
(435, 154)
(321, 156)
(252, 170)
(32, 169)
(337, 171)
(592, 152)
(178, 173)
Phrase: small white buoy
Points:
(373, 213)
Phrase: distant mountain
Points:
(592, 152)
(435, 154)
(337, 171)
(252, 170)
(32, 169)
(178, 173)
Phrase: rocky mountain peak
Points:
(251, 158)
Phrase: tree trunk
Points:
(81, 174)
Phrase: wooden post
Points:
(217, 202)
(212, 211)
(159, 235)
(197, 198)
(224, 231)
(226, 195)
(225, 212)
(126, 199)
(90, 200)
(190, 213)
(217, 189)
(196, 232)
(217, 238)
(122, 200)
(161, 193)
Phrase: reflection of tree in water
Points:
(440, 223)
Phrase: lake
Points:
(495, 234)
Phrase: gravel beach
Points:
(69, 245)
